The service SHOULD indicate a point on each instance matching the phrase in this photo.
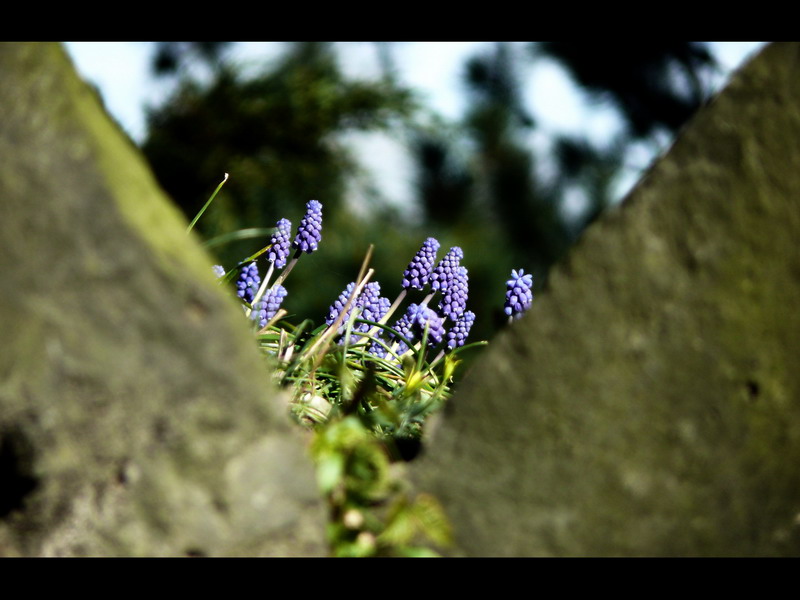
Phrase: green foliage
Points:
(365, 411)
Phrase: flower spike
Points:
(518, 295)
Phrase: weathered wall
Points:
(649, 402)
(135, 415)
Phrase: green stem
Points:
(288, 268)
(210, 200)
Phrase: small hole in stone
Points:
(122, 474)
(16, 471)
(194, 553)
(753, 388)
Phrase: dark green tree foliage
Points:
(479, 183)
(592, 170)
(503, 216)
(497, 190)
(444, 188)
(172, 57)
(656, 87)
(532, 232)
(274, 133)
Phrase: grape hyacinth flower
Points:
(446, 269)
(339, 304)
(270, 304)
(427, 316)
(377, 350)
(459, 332)
(454, 298)
(280, 244)
(219, 271)
(309, 233)
(518, 295)
(373, 307)
(248, 282)
(404, 326)
(419, 269)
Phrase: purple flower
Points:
(377, 350)
(373, 305)
(425, 316)
(248, 282)
(412, 325)
(518, 295)
(280, 244)
(219, 271)
(454, 298)
(404, 326)
(419, 269)
(309, 233)
(459, 332)
(370, 302)
(338, 306)
(446, 269)
(270, 304)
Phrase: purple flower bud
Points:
(419, 269)
(459, 332)
(338, 306)
(219, 270)
(309, 233)
(377, 350)
(454, 298)
(370, 303)
(446, 269)
(404, 325)
(280, 244)
(374, 306)
(375, 312)
(270, 304)
(248, 282)
(427, 316)
(518, 295)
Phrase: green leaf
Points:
(330, 470)
(207, 204)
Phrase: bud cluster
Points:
(448, 277)
(454, 298)
(518, 294)
(279, 242)
(309, 233)
(419, 269)
(248, 282)
(446, 269)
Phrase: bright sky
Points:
(121, 71)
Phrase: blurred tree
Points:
(656, 85)
(278, 135)
(502, 214)
(480, 184)
(499, 188)
(171, 58)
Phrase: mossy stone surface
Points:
(649, 402)
(136, 417)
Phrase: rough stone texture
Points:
(649, 402)
(136, 417)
